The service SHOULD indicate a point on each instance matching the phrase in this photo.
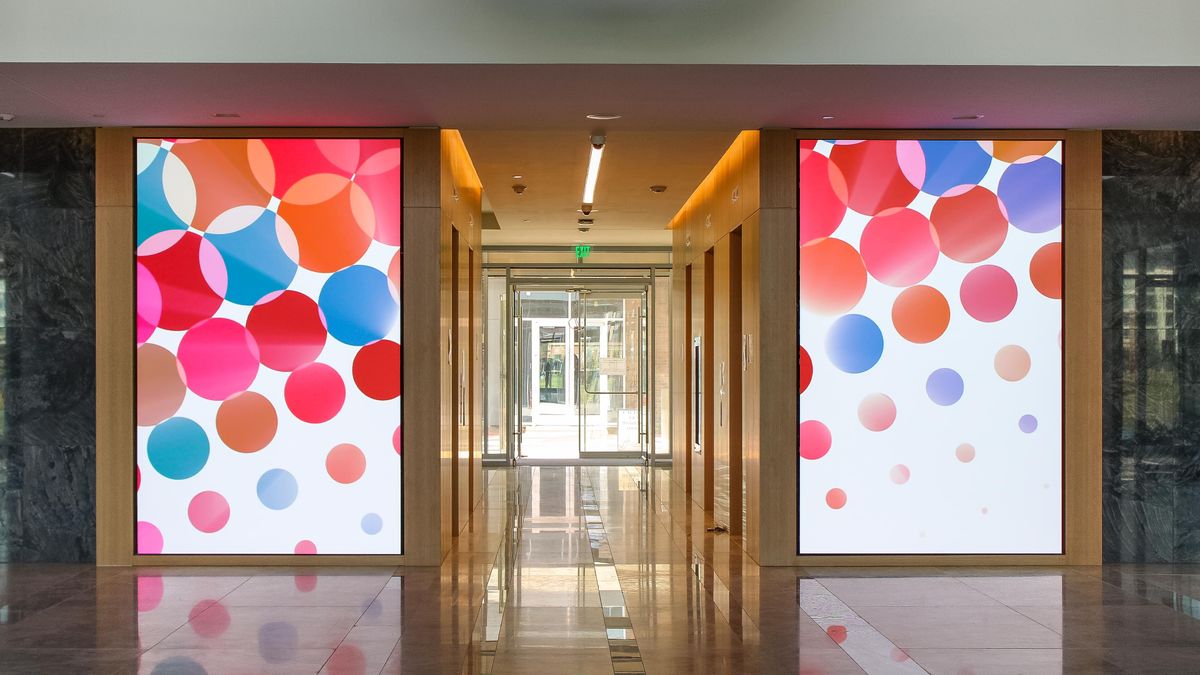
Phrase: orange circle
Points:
(921, 314)
(160, 388)
(832, 276)
(1045, 270)
(1012, 363)
(333, 221)
(227, 172)
(1015, 151)
(247, 422)
(345, 463)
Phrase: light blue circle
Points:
(178, 448)
(854, 343)
(277, 489)
(357, 305)
(254, 260)
(372, 523)
(944, 386)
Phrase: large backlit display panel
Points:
(930, 326)
(268, 346)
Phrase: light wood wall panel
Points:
(722, 498)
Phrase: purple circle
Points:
(1028, 424)
(1032, 195)
(944, 386)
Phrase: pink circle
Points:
(912, 161)
(988, 293)
(965, 452)
(877, 412)
(149, 592)
(397, 440)
(305, 547)
(823, 196)
(835, 498)
(314, 393)
(899, 474)
(899, 248)
(208, 512)
(149, 303)
(209, 619)
(149, 539)
(815, 439)
(219, 358)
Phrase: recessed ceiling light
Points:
(828, 117)
(968, 117)
(658, 189)
(226, 115)
(7, 117)
(99, 116)
(517, 176)
(604, 117)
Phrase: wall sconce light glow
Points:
(593, 172)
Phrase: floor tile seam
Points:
(587, 494)
(189, 619)
(861, 618)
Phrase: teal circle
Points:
(178, 448)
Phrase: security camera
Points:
(519, 188)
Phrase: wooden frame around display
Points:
(1082, 490)
(115, 368)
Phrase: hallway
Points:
(593, 570)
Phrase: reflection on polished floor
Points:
(598, 570)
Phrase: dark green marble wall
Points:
(1151, 346)
(47, 345)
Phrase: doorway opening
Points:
(577, 365)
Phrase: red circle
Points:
(970, 226)
(188, 296)
(288, 329)
(988, 293)
(806, 369)
(874, 180)
(314, 393)
(822, 196)
(377, 370)
(898, 249)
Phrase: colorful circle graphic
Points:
(190, 274)
(357, 305)
(247, 422)
(333, 221)
(149, 539)
(832, 276)
(971, 226)
(988, 293)
(376, 370)
(875, 181)
(149, 304)
(314, 393)
(1045, 270)
(1012, 363)
(177, 448)
(899, 474)
(288, 329)
(256, 256)
(277, 489)
(921, 314)
(944, 386)
(160, 388)
(208, 512)
(951, 164)
(815, 439)
(1028, 424)
(854, 343)
(372, 523)
(898, 249)
(835, 498)
(965, 453)
(1032, 195)
(806, 370)
(305, 547)
(345, 463)
(219, 358)
(877, 412)
(823, 201)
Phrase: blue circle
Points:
(277, 489)
(1032, 195)
(178, 665)
(254, 260)
(178, 448)
(154, 214)
(278, 641)
(1028, 424)
(949, 164)
(944, 386)
(854, 343)
(357, 305)
(372, 523)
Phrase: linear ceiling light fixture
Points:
(593, 172)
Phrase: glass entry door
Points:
(580, 380)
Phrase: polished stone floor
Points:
(598, 570)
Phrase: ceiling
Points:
(531, 119)
(553, 165)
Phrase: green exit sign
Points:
(582, 251)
